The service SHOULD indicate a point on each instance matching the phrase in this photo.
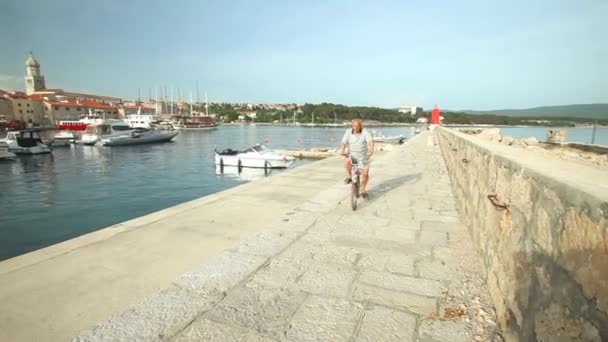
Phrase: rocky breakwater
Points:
(540, 224)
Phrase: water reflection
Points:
(245, 174)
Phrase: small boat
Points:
(257, 156)
(5, 154)
(27, 141)
(397, 139)
(64, 138)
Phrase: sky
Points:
(467, 54)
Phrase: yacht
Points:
(27, 141)
(138, 136)
(140, 120)
(117, 133)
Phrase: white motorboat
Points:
(140, 120)
(257, 156)
(93, 133)
(397, 139)
(64, 138)
(5, 153)
(26, 141)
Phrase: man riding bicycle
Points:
(361, 147)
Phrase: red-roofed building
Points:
(72, 109)
(48, 106)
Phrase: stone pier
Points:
(391, 271)
(302, 266)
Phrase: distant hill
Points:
(594, 111)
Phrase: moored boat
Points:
(27, 141)
(257, 156)
(397, 139)
(5, 153)
(138, 136)
(118, 132)
(64, 138)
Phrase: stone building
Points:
(19, 106)
(6, 107)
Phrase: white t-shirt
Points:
(357, 143)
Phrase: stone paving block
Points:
(282, 271)
(324, 319)
(421, 305)
(382, 324)
(328, 280)
(435, 269)
(396, 235)
(434, 238)
(441, 331)
(438, 226)
(159, 316)
(401, 264)
(266, 311)
(221, 273)
(210, 331)
(339, 255)
(267, 243)
(303, 248)
(356, 220)
(425, 287)
(387, 261)
(443, 254)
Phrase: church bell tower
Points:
(34, 80)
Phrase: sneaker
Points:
(348, 180)
(364, 195)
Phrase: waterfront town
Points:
(47, 107)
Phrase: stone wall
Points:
(543, 239)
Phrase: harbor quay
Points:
(462, 239)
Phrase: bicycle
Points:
(355, 176)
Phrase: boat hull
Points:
(62, 142)
(252, 162)
(130, 140)
(41, 149)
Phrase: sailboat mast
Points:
(171, 102)
(206, 105)
(198, 96)
(156, 101)
(191, 103)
